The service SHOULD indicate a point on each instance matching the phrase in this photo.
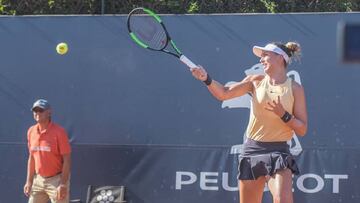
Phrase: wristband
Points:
(286, 117)
(208, 80)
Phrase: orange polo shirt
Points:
(47, 148)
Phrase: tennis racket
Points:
(148, 31)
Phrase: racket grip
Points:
(187, 61)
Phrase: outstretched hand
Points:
(276, 107)
(199, 73)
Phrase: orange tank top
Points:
(264, 125)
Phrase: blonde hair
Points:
(292, 49)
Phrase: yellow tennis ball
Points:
(62, 48)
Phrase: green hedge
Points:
(49, 7)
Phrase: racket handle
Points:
(187, 61)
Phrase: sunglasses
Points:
(38, 110)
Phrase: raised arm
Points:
(221, 92)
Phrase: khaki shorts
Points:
(45, 189)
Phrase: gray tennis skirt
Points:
(264, 158)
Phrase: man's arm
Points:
(65, 173)
(30, 175)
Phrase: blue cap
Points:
(41, 103)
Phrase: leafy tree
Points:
(49, 7)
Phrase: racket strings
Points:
(148, 30)
(160, 39)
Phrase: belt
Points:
(49, 176)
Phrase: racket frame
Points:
(178, 53)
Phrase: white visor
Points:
(273, 48)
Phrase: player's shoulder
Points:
(296, 86)
(254, 78)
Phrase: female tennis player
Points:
(278, 109)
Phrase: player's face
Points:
(41, 115)
(271, 60)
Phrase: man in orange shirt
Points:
(48, 170)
